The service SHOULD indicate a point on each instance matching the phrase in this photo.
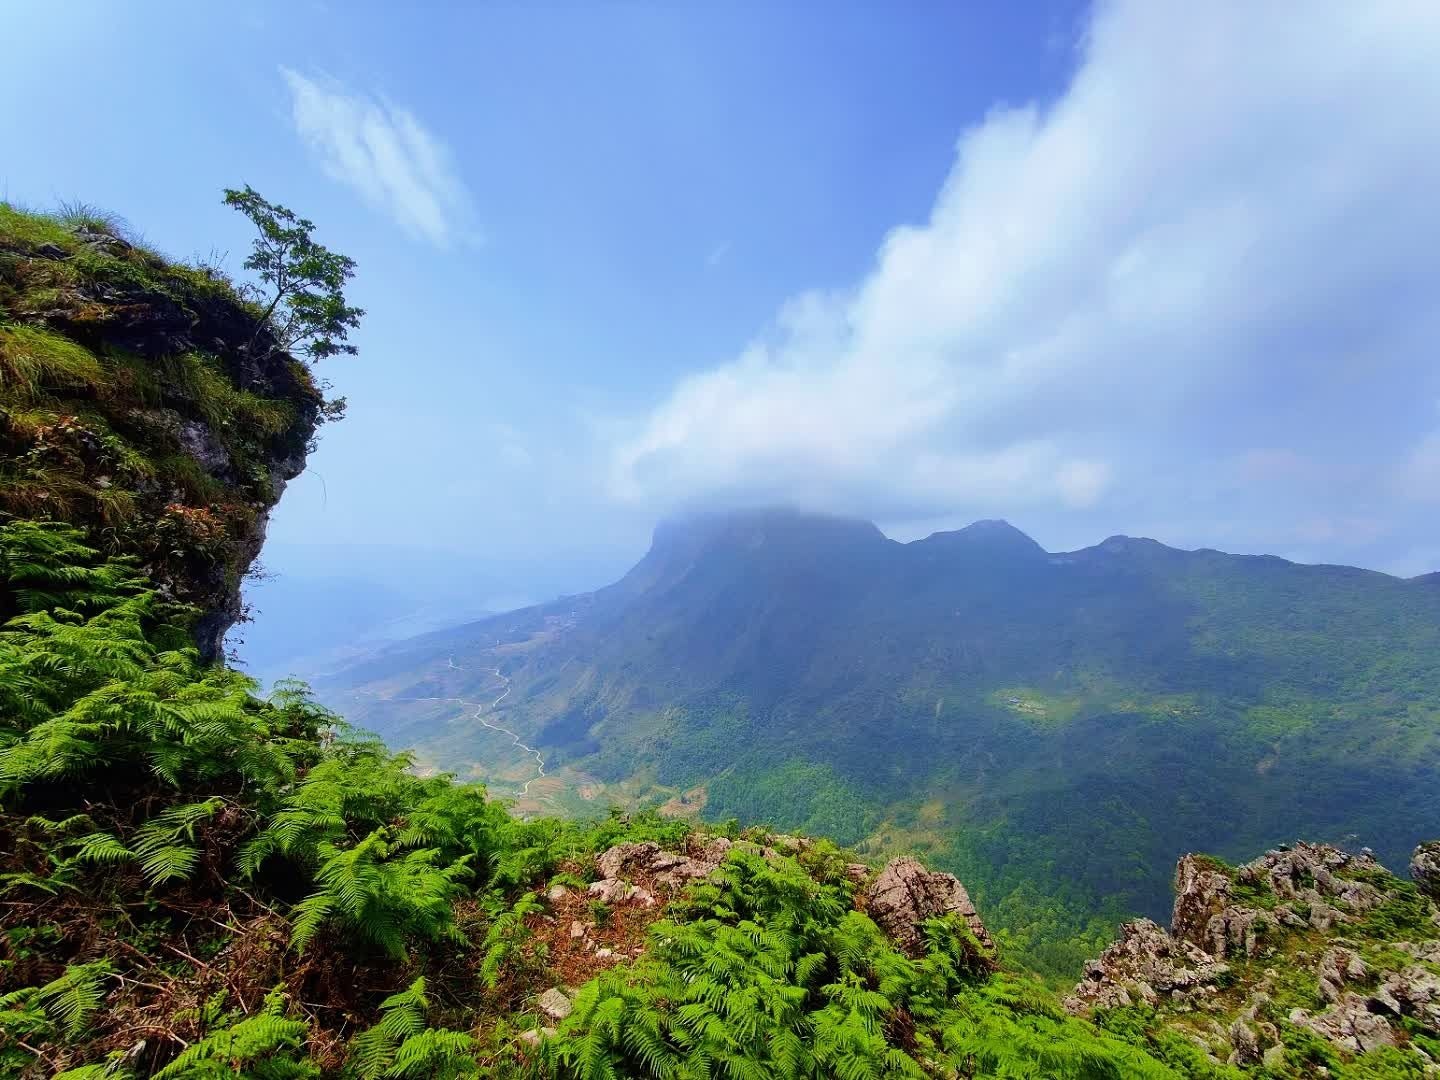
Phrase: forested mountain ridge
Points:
(1057, 728)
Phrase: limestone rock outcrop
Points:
(1146, 964)
(1425, 869)
(1349, 1024)
(905, 894)
(622, 864)
(1275, 906)
(1312, 877)
(1413, 992)
(181, 448)
(1337, 967)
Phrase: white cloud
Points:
(1219, 237)
(386, 155)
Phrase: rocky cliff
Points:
(144, 400)
(1299, 963)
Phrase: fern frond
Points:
(73, 998)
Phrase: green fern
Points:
(109, 1071)
(434, 1053)
(262, 1047)
(505, 937)
(165, 845)
(381, 898)
(400, 1044)
(69, 1001)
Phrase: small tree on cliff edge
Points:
(307, 311)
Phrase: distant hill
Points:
(1047, 724)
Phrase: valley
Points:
(1057, 728)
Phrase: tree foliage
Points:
(304, 298)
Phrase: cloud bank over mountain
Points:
(1202, 278)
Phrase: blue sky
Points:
(1155, 268)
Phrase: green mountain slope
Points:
(1057, 728)
(199, 882)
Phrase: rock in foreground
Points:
(905, 894)
(1306, 942)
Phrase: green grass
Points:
(32, 230)
(36, 363)
(225, 407)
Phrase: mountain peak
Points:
(990, 535)
(761, 526)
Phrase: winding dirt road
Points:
(480, 710)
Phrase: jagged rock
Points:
(1337, 967)
(668, 867)
(577, 928)
(906, 894)
(103, 241)
(534, 1035)
(1307, 871)
(1428, 951)
(715, 849)
(615, 891)
(627, 859)
(1247, 1046)
(1320, 888)
(555, 1004)
(1145, 963)
(1414, 992)
(1323, 916)
(611, 890)
(556, 893)
(1349, 1024)
(1237, 929)
(1201, 893)
(201, 443)
(1313, 874)
(857, 872)
(1425, 869)
(1285, 915)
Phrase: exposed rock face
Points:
(906, 894)
(1145, 965)
(1275, 904)
(623, 860)
(1201, 894)
(668, 868)
(1205, 916)
(1337, 967)
(615, 891)
(1312, 875)
(1349, 1024)
(1314, 871)
(1414, 992)
(1425, 869)
(194, 440)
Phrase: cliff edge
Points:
(144, 401)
